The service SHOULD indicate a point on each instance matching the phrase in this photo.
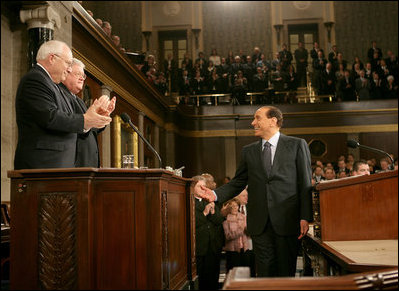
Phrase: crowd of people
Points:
(347, 166)
(331, 74)
(374, 78)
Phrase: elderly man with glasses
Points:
(47, 123)
(87, 154)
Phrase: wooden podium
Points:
(355, 225)
(107, 228)
(358, 208)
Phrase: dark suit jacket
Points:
(324, 78)
(208, 229)
(346, 94)
(87, 154)
(285, 196)
(47, 126)
(370, 53)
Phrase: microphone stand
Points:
(355, 144)
(145, 140)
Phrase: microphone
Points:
(354, 144)
(126, 118)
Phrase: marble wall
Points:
(13, 65)
(235, 25)
(358, 23)
(125, 19)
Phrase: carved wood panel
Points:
(57, 241)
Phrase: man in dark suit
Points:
(346, 88)
(301, 59)
(87, 154)
(47, 124)
(277, 169)
(327, 80)
(170, 66)
(209, 237)
(372, 50)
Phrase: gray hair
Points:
(78, 62)
(50, 47)
(390, 77)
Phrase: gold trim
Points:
(342, 129)
(117, 127)
(116, 124)
(291, 131)
(249, 116)
(171, 127)
(105, 79)
(246, 116)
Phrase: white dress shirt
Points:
(273, 144)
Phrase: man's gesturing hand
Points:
(207, 194)
(304, 228)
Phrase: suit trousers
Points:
(275, 255)
(238, 259)
(208, 269)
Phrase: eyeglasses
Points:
(68, 62)
(79, 75)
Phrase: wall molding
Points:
(287, 131)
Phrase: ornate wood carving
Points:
(57, 241)
(165, 258)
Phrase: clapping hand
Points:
(209, 208)
(104, 106)
(93, 119)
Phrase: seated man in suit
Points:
(87, 154)
(47, 124)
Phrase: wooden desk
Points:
(107, 228)
(239, 279)
(368, 252)
(355, 225)
(324, 258)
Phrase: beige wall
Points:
(358, 23)
(237, 25)
(64, 10)
(125, 19)
(14, 64)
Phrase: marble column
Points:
(278, 28)
(41, 22)
(141, 142)
(106, 134)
